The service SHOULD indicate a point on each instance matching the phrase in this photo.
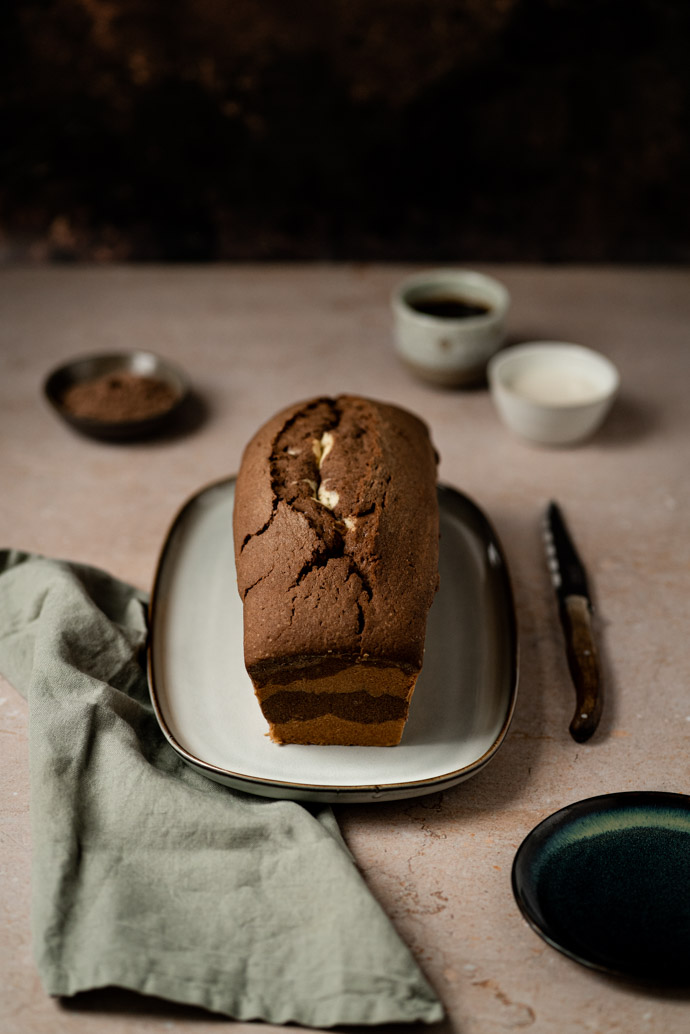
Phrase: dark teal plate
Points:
(606, 881)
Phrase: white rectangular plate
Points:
(204, 699)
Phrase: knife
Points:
(575, 610)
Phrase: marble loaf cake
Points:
(336, 542)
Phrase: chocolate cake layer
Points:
(356, 706)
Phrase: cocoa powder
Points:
(119, 397)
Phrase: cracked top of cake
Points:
(336, 534)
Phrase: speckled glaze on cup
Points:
(449, 352)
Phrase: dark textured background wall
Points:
(186, 130)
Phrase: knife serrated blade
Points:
(575, 610)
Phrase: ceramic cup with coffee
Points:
(448, 323)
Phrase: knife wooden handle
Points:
(584, 666)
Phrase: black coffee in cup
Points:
(448, 307)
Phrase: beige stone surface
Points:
(256, 338)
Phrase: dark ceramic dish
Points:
(606, 881)
(145, 364)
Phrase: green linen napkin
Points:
(148, 876)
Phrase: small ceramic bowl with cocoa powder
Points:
(118, 396)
